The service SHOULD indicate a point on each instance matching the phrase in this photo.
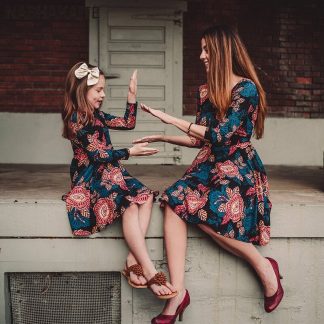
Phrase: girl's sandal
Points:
(160, 279)
(138, 270)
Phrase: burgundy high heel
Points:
(272, 302)
(170, 319)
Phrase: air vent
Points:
(65, 298)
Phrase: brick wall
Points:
(285, 41)
(40, 40)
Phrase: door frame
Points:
(170, 10)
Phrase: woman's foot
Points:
(273, 301)
(172, 304)
(268, 278)
(174, 307)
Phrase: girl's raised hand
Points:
(165, 118)
(132, 88)
(149, 139)
(141, 149)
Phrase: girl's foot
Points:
(160, 286)
(137, 280)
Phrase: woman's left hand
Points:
(132, 88)
(165, 118)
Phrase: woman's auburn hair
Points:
(227, 55)
(75, 100)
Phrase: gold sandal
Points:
(160, 279)
(138, 270)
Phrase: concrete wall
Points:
(224, 289)
(36, 138)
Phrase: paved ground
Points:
(38, 182)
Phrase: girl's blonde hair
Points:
(227, 55)
(75, 100)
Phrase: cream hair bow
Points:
(93, 74)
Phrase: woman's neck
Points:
(235, 79)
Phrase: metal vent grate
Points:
(65, 298)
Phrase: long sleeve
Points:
(96, 149)
(126, 122)
(196, 142)
(245, 100)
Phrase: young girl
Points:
(225, 190)
(102, 190)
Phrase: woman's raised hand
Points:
(149, 139)
(132, 88)
(141, 149)
(165, 118)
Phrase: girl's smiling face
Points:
(96, 94)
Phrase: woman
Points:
(102, 190)
(225, 190)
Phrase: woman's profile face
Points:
(96, 94)
(204, 54)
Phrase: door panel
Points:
(128, 42)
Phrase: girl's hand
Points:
(132, 88)
(141, 149)
(165, 118)
(149, 139)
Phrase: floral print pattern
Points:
(226, 186)
(101, 188)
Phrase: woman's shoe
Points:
(138, 270)
(160, 279)
(170, 319)
(272, 302)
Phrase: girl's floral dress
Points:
(101, 187)
(226, 186)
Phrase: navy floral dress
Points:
(101, 187)
(226, 186)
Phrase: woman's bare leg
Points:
(135, 239)
(175, 237)
(249, 253)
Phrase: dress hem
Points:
(164, 202)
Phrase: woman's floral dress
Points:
(226, 186)
(101, 187)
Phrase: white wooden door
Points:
(149, 40)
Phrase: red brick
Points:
(303, 80)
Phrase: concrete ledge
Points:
(46, 218)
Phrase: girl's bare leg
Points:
(249, 253)
(175, 237)
(144, 216)
(135, 239)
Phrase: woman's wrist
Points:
(183, 125)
